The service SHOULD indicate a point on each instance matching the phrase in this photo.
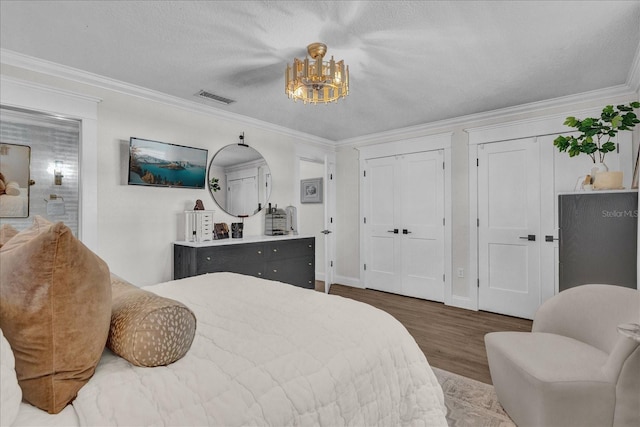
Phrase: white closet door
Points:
(404, 234)
(509, 227)
(422, 213)
(383, 245)
(242, 196)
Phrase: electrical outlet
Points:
(460, 272)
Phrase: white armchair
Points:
(574, 368)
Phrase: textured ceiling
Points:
(411, 62)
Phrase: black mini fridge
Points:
(598, 238)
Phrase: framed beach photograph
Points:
(161, 164)
(311, 190)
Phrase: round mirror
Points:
(239, 180)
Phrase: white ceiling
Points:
(411, 62)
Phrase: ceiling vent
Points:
(213, 97)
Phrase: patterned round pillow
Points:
(147, 329)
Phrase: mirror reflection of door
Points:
(311, 215)
(14, 180)
(239, 180)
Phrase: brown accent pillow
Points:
(147, 329)
(39, 225)
(7, 231)
(3, 187)
(55, 305)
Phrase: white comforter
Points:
(267, 353)
(14, 206)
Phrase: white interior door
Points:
(422, 219)
(329, 224)
(404, 233)
(383, 203)
(509, 227)
(242, 195)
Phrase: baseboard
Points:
(463, 302)
(348, 281)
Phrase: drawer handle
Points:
(259, 252)
(309, 263)
(275, 271)
(275, 250)
(309, 245)
(259, 274)
(208, 258)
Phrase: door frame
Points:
(442, 141)
(528, 128)
(327, 157)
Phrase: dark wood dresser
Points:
(288, 259)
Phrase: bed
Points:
(15, 206)
(265, 353)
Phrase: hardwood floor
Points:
(451, 338)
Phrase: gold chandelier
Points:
(319, 82)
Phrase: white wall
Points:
(136, 225)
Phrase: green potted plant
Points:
(594, 135)
(213, 184)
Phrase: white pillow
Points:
(10, 392)
(13, 189)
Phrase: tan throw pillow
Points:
(6, 233)
(147, 329)
(55, 306)
(12, 188)
(3, 187)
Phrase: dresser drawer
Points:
(289, 249)
(243, 259)
(296, 271)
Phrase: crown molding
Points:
(633, 80)
(503, 113)
(38, 65)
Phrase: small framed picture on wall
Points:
(311, 190)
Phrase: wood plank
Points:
(452, 338)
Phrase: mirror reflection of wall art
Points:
(311, 190)
(14, 180)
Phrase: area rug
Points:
(471, 403)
